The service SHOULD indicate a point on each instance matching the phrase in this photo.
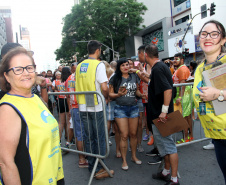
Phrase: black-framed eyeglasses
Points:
(19, 70)
(213, 34)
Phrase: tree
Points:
(98, 20)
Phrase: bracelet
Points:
(43, 87)
(137, 71)
(165, 109)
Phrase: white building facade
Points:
(3, 39)
(166, 23)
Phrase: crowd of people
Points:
(135, 94)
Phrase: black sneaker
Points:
(160, 176)
(73, 141)
(153, 152)
(155, 160)
(112, 134)
(172, 183)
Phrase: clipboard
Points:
(212, 78)
(174, 123)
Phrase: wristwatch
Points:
(221, 96)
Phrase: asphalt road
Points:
(196, 167)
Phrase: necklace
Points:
(155, 62)
(217, 60)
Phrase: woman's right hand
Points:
(121, 92)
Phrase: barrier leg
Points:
(94, 169)
(93, 172)
(161, 166)
(105, 167)
(178, 175)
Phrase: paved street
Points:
(196, 167)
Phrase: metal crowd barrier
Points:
(196, 125)
(89, 96)
(197, 128)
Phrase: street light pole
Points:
(83, 41)
(191, 22)
(112, 44)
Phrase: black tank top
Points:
(22, 155)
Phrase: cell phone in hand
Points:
(122, 88)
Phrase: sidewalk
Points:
(196, 167)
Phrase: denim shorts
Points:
(110, 108)
(140, 105)
(125, 111)
(77, 125)
(165, 145)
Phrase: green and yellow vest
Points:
(214, 126)
(43, 141)
(85, 78)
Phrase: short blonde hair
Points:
(109, 70)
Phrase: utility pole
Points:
(112, 44)
(183, 48)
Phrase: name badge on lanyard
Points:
(202, 108)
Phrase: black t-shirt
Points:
(161, 80)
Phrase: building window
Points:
(184, 19)
(178, 2)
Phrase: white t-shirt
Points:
(54, 83)
(101, 77)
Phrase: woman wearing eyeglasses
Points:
(29, 135)
(212, 39)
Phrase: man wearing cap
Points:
(91, 76)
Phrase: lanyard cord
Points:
(91, 58)
(218, 60)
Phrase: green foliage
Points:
(97, 20)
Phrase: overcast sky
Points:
(43, 18)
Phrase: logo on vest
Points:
(50, 181)
(47, 118)
(84, 67)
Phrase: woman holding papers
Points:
(212, 40)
